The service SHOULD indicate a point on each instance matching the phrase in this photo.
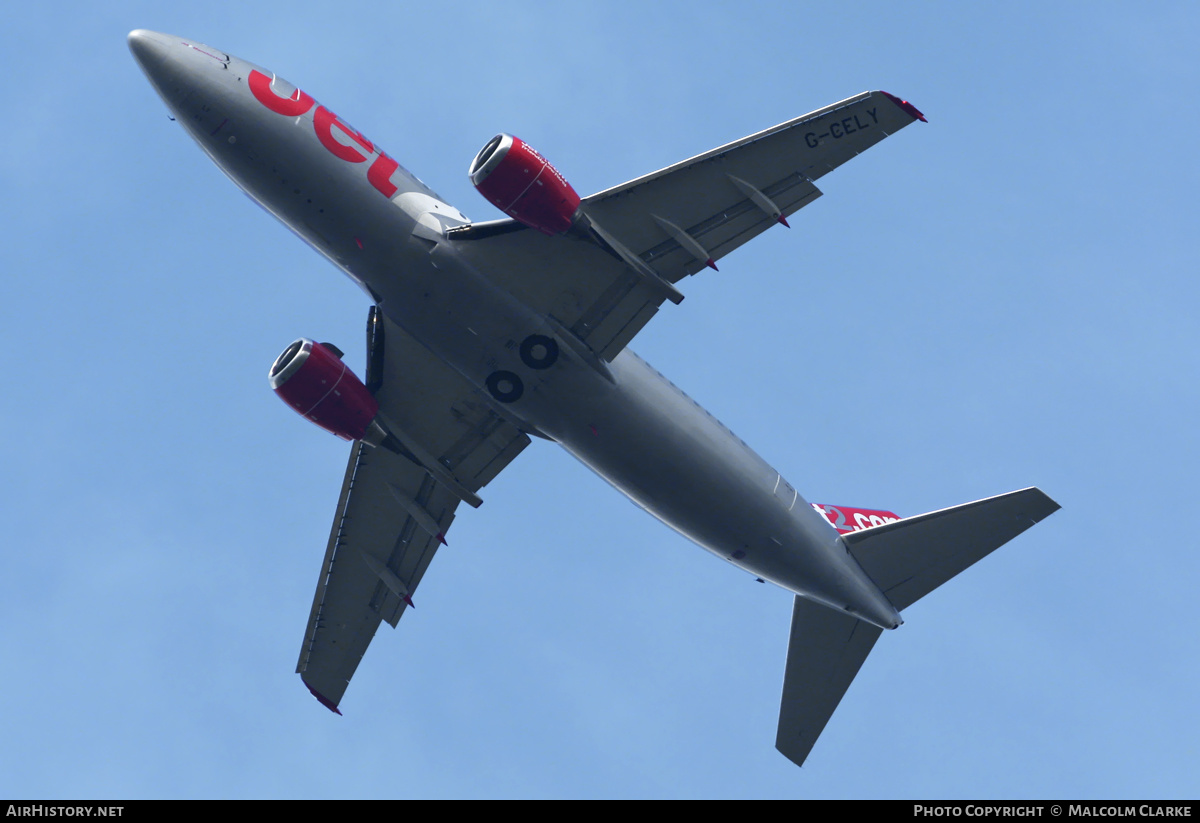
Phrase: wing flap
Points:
(614, 322)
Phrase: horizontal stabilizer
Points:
(826, 650)
(911, 557)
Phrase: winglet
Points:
(322, 699)
(905, 106)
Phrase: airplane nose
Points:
(159, 61)
(163, 59)
(149, 49)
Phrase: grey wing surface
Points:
(393, 514)
(604, 282)
(826, 650)
(909, 558)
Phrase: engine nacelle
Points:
(518, 181)
(314, 381)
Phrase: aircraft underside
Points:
(482, 336)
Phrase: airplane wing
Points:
(638, 239)
(392, 513)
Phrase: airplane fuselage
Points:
(388, 232)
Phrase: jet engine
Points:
(521, 183)
(312, 379)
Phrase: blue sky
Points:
(1004, 297)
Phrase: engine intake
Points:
(312, 379)
(521, 183)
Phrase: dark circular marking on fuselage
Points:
(539, 351)
(505, 386)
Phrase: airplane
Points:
(482, 336)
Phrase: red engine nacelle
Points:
(314, 381)
(518, 181)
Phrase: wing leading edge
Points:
(392, 514)
(605, 282)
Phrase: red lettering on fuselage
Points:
(380, 175)
(380, 172)
(294, 106)
(324, 121)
